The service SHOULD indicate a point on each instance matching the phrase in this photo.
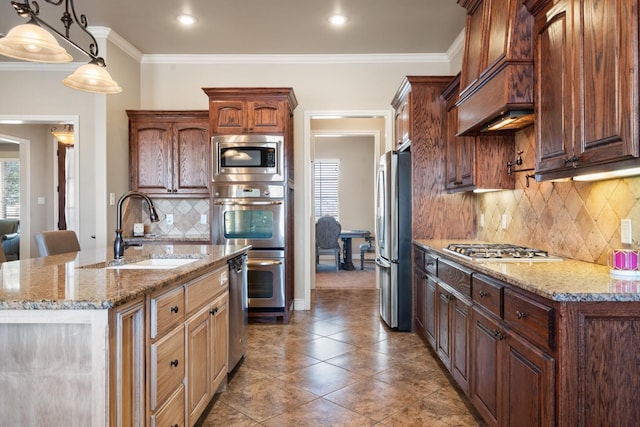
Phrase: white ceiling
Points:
(244, 27)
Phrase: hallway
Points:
(337, 365)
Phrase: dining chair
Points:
(366, 248)
(56, 242)
(327, 239)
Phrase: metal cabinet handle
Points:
(457, 182)
(498, 334)
(174, 363)
(571, 160)
(175, 309)
(521, 314)
(213, 311)
(482, 294)
(429, 264)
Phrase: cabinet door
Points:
(607, 60)
(191, 158)
(127, 388)
(220, 340)
(199, 366)
(460, 155)
(554, 124)
(443, 315)
(420, 284)
(150, 151)
(528, 384)
(403, 121)
(265, 116)
(228, 117)
(486, 336)
(430, 311)
(460, 313)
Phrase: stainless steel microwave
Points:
(247, 158)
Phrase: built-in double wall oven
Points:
(252, 213)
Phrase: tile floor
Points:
(338, 365)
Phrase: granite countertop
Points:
(568, 280)
(77, 280)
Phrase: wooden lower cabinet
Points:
(485, 364)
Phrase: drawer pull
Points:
(174, 363)
(521, 314)
(482, 294)
(213, 311)
(430, 264)
(175, 425)
(498, 334)
(175, 309)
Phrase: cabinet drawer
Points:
(454, 275)
(171, 414)
(203, 289)
(487, 293)
(167, 311)
(431, 264)
(529, 318)
(167, 366)
(418, 257)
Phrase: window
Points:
(327, 184)
(9, 189)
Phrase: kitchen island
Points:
(539, 343)
(89, 342)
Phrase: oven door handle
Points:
(229, 203)
(263, 262)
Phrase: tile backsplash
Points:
(186, 217)
(578, 220)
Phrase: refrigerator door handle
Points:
(383, 263)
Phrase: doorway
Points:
(38, 169)
(336, 123)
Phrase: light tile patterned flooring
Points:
(338, 365)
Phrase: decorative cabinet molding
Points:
(169, 153)
(586, 86)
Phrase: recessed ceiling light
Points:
(186, 20)
(338, 20)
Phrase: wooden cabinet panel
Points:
(487, 293)
(199, 367)
(266, 116)
(167, 366)
(485, 385)
(530, 318)
(473, 53)
(460, 343)
(227, 117)
(456, 276)
(528, 384)
(167, 311)
(430, 311)
(169, 152)
(172, 414)
(586, 87)
(220, 340)
(420, 286)
(443, 316)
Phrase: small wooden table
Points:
(347, 236)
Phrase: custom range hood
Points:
(496, 85)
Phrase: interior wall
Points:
(357, 180)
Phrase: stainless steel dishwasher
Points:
(238, 310)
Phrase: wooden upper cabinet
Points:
(586, 86)
(236, 117)
(497, 68)
(475, 162)
(169, 152)
(250, 110)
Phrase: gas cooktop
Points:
(499, 252)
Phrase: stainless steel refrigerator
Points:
(393, 237)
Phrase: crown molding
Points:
(457, 46)
(106, 33)
(297, 59)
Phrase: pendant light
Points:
(32, 42)
(65, 135)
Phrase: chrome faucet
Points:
(118, 244)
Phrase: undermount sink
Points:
(145, 264)
(154, 263)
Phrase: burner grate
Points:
(499, 252)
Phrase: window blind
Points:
(9, 189)
(326, 187)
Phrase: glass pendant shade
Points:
(65, 136)
(31, 42)
(92, 78)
